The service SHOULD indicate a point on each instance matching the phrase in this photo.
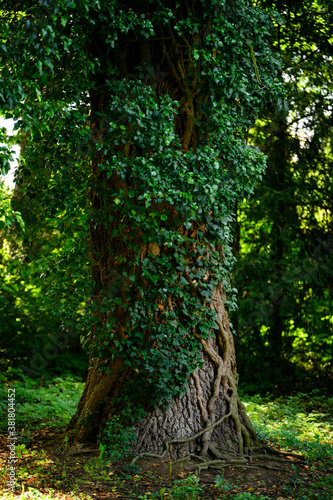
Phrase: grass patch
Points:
(303, 422)
(35, 494)
(43, 403)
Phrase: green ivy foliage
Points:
(111, 148)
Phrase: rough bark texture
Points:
(211, 397)
(91, 411)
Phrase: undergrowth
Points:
(302, 423)
(39, 403)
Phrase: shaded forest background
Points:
(282, 240)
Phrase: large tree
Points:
(138, 115)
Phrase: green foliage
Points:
(8, 216)
(32, 330)
(196, 194)
(49, 404)
(20, 449)
(222, 484)
(284, 270)
(6, 154)
(182, 489)
(187, 488)
(302, 422)
(289, 423)
(23, 319)
(116, 441)
(31, 494)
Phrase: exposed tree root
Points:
(258, 466)
(278, 452)
(211, 464)
(223, 385)
(244, 462)
(180, 441)
(226, 379)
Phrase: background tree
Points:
(36, 253)
(284, 270)
(32, 334)
(138, 114)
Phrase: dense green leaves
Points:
(285, 257)
(32, 327)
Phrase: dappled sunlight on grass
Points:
(35, 494)
(47, 403)
(303, 422)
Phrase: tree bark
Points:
(210, 402)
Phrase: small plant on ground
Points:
(116, 441)
(102, 451)
(187, 488)
(182, 489)
(222, 484)
(20, 449)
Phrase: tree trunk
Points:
(186, 251)
(169, 90)
(210, 402)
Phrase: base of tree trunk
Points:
(208, 420)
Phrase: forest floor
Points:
(300, 424)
